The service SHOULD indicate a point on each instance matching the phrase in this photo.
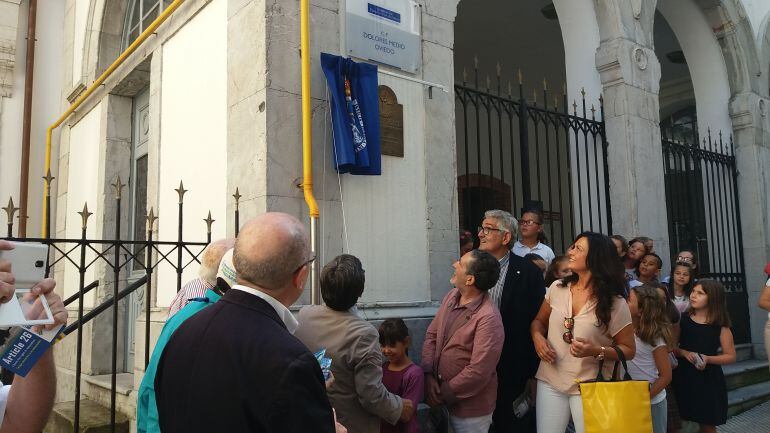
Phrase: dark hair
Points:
(660, 262)
(623, 243)
(694, 265)
(533, 257)
(541, 237)
(673, 313)
(608, 279)
(716, 303)
(485, 268)
(550, 274)
(342, 282)
(643, 240)
(393, 331)
(690, 284)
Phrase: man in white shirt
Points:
(530, 229)
(26, 405)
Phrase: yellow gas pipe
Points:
(123, 56)
(307, 144)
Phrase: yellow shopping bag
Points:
(616, 405)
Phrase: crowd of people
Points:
(508, 346)
(509, 343)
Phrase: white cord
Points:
(339, 178)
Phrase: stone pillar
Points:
(630, 75)
(751, 129)
(440, 150)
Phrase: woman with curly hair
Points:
(583, 317)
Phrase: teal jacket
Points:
(146, 407)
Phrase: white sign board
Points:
(385, 31)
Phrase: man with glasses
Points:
(235, 366)
(518, 293)
(356, 391)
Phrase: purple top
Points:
(407, 383)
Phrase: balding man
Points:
(235, 366)
(207, 275)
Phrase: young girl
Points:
(399, 374)
(680, 285)
(699, 383)
(636, 250)
(557, 270)
(653, 336)
(648, 269)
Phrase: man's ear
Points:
(507, 238)
(470, 280)
(299, 278)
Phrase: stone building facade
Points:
(213, 99)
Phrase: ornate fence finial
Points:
(85, 214)
(545, 84)
(521, 77)
(151, 218)
(476, 62)
(237, 197)
(10, 210)
(583, 92)
(465, 75)
(510, 90)
(48, 179)
(593, 112)
(118, 187)
(574, 107)
(499, 70)
(181, 192)
(209, 221)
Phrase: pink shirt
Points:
(407, 383)
(564, 374)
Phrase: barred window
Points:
(139, 15)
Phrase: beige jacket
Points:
(357, 393)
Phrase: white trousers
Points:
(479, 424)
(554, 409)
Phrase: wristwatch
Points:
(600, 356)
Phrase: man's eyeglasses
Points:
(306, 262)
(569, 324)
(486, 230)
(527, 223)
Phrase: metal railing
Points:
(514, 153)
(703, 209)
(128, 265)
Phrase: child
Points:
(636, 250)
(699, 383)
(653, 336)
(557, 270)
(537, 260)
(680, 284)
(399, 374)
(648, 269)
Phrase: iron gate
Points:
(514, 154)
(704, 214)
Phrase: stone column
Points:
(751, 129)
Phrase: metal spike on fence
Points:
(476, 62)
(48, 179)
(488, 82)
(499, 70)
(85, 214)
(465, 76)
(181, 192)
(593, 112)
(151, 218)
(521, 77)
(545, 84)
(556, 103)
(209, 221)
(510, 90)
(534, 97)
(574, 107)
(237, 197)
(118, 185)
(10, 210)
(583, 92)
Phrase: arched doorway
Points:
(516, 129)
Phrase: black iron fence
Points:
(125, 264)
(514, 154)
(704, 214)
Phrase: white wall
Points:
(386, 216)
(86, 168)
(81, 18)
(756, 11)
(193, 134)
(46, 99)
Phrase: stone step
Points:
(94, 418)
(744, 398)
(744, 373)
(98, 390)
(744, 352)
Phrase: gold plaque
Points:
(391, 123)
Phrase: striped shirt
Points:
(195, 288)
(496, 292)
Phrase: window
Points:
(139, 15)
